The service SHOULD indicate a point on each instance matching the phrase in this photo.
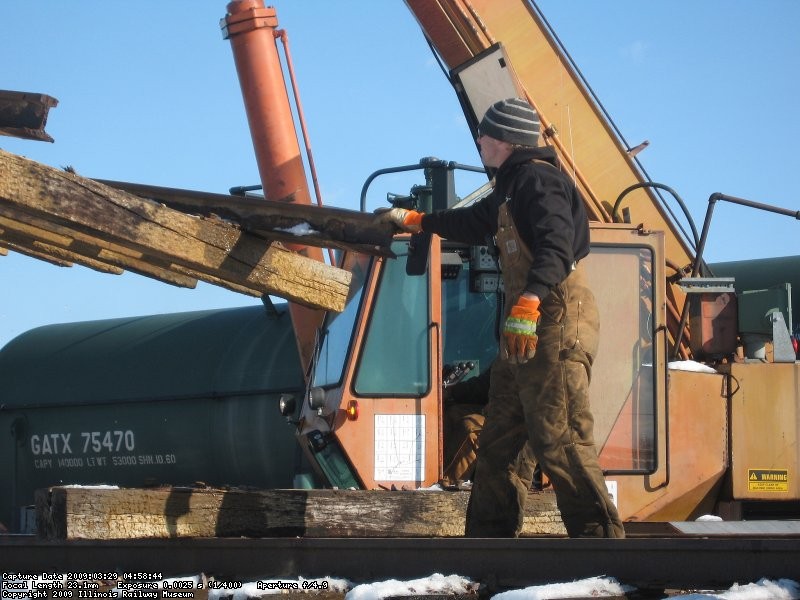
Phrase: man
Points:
(539, 386)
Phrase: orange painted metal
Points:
(713, 320)
(694, 447)
(252, 30)
(358, 438)
(765, 431)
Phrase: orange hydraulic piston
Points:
(252, 30)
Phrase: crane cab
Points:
(373, 417)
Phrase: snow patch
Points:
(690, 365)
(592, 587)
(299, 229)
(435, 584)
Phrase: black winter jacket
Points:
(547, 211)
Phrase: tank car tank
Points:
(170, 399)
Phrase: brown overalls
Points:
(545, 400)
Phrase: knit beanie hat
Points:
(513, 121)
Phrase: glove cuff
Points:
(413, 219)
(531, 304)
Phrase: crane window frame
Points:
(337, 334)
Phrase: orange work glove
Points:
(404, 220)
(520, 330)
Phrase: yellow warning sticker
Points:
(768, 480)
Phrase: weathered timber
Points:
(72, 513)
(213, 249)
(24, 115)
(281, 220)
(58, 256)
(48, 246)
(84, 249)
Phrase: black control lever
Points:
(456, 372)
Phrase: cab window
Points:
(395, 357)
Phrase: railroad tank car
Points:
(169, 399)
(778, 277)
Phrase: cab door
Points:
(377, 425)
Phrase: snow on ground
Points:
(594, 587)
(266, 587)
(435, 584)
(783, 589)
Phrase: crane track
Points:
(648, 563)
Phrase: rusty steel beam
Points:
(24, 115)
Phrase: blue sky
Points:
(148, 93)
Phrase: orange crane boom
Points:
(252, 30)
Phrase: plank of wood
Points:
(65, 251)
(30, 252)
(71, 513)
(57, 256)
(83, 249)
(210, 247)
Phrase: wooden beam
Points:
(58, 256)
(48, 241)
(87, 248)
(46, 228)
(147, 268)
(228, 285)
(211, 247)
(29, 252)
(94, 513)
